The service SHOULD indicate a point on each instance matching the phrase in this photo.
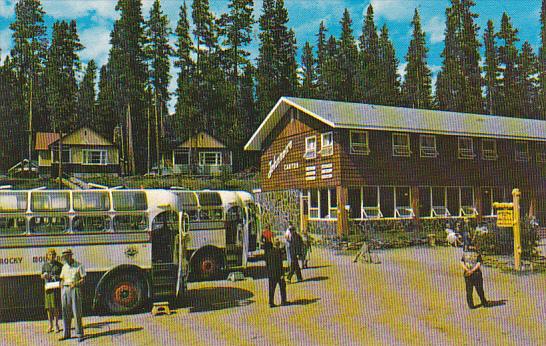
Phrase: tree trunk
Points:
(156, 131)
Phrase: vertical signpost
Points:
(508, 215)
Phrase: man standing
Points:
(294, 249)
(72, 277)
(471, 263)
(275, 273)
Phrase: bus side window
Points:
(130, 223)
(48, 224)
(91, 224)
(12, 225)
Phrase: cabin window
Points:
(403, 207)
(129, 200)
(400, 144)
(466, 148)
(452, 200)
(522, 151)
(211, 158)
(355, 203)
(541, 152)
(310, 147)
(427, 146)
(13, 201)
(439, 202)
(48, 224)
(11, 225)
(90, 224)
(91, 201)
(314, 210)
(50, 201)
(489, 149)
(66, 155)
(468, 207)
(359, 142)
(425, 204)
(181, 157)
(387, 199)
(95, 157)
(129, 223)
(487, 201)
(327, 144)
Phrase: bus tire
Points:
(125, 293)
(208, 266)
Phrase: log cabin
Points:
(353, 161)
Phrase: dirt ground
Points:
(414, 297)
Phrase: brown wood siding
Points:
(296, 127)
(380, 167)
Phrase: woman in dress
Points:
(51, 270)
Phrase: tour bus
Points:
(131, 243)
(224, 230)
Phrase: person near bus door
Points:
(275, 273)
(51, 270)
(72, 277)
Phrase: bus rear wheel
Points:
(208, 266)
(125, 294)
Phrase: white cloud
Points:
(96, 40)
(402, 70)
(81, 8)
(7, 8)
(435, 29)
(396, 10)
(5, 43)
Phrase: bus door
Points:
(180, 253)
(165, 226)
(234, 234)
(254, 226)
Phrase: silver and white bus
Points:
(224, 230)
(131, 243)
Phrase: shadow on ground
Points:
(217, 298)
(113, 332)
(260, 272)
(495, 303)
(304, 301)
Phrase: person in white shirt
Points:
(72, 277)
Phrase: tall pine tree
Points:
(158, 51)
(321, 57)
(87, 99)
(388, 78)
(491, 68)
(309, 78)
(470, 59)
(28, 53)
(344, 85)
(417, 87)
(508, 58)
(369, 62)
(542, 62)
(527, 82)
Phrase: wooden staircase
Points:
(164, 278)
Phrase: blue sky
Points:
(95, 20)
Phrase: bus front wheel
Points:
(125, 294)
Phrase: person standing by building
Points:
(306, 248)
(295, 249)
(275, 273)
(72, 278)
(473, 278)
(51, 271)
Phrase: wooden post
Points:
(478, 201)
(517, 230)
(414, 203)
(342, 215)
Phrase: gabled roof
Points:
(85, 136)
(202, 141)
(44, 139)
(346, 115)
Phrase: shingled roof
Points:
(346, 115)
(202, 141)
(44, 139)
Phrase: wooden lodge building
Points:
(84, 152)
(352, 161)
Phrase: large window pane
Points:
(82, 224)
(403, 197)
(369, 196)
(387, 201)
(48, 225)
(467, 199)
(129, 200)
(354, 203)
(50, 201)
(13, 201)
(424, 201)
(128, 223)
(487, 201)
(438, 197)
(11, 225)
(91, 201)
(209, 199)
(453, 200)
(323, 203)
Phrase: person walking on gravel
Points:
(473, 278)
(295, 249)
(275, 273)
(72, 278)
